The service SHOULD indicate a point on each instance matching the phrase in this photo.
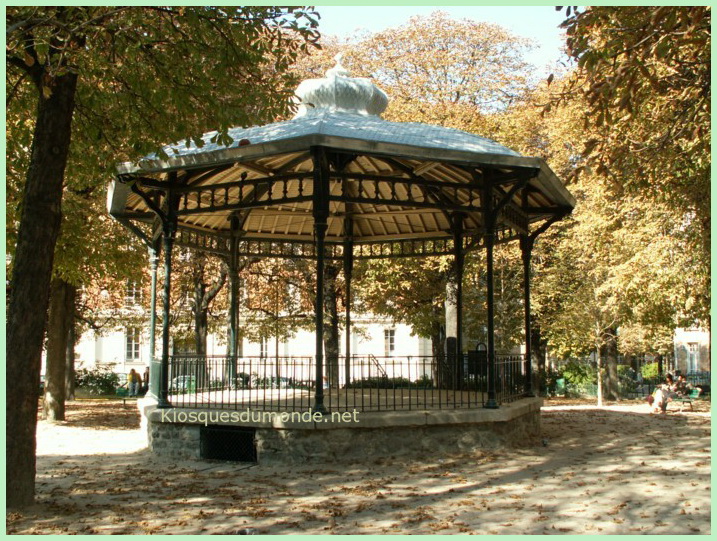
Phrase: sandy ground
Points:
(615, 470)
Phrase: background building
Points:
(692, 350)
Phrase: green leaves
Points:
(148, 76)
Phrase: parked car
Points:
(183, 384)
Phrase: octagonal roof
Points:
(394, 180)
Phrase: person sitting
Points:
(664, 394)
(683, 387)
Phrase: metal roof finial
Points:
(338, 69)
(338, 92)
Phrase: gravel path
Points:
(614, 470)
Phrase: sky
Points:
(539, 23)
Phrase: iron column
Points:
(526, 248)
(321, 214)
(459, 262)
(169, 229)
(489, 236)
(348, 275)
(154, 365)
(232, 265)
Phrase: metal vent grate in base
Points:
(228, 443)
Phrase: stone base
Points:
(175, 432)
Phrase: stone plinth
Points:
(348, 436)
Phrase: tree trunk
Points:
(203, 297)
(70, 357)
(451, 314)
(660, 366)
(200, 347)
(201, 326)
(442, 375)
(62, 307)
(598, 359)
(30, 284)
(539, 353)
(331, 326)
(610, 345)
(277, 360)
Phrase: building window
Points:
(693, 356)
(134, 294)
(263, 348)
(389, 342)
(132, 343)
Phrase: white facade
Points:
(692, 350)
(370, 336)
(112, 349)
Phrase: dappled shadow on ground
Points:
(102, 414)
(600, 471)
(699, 405)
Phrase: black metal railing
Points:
(511, 378)
(369, 383)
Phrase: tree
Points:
(611, 270)
(207, 281)
(279, 299)
(644, 75)
(445, 71)
(410, 291)
(636, 246)
(114, 70)
(91, 246)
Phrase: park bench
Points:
(122, 394)
(687, 398)
(126, 399)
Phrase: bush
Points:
(580, 373)
(381, 383)
(97, 381)
(424, 382)
(583, 390)
(626, 378)
(548, 381)
(650, 371)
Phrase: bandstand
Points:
(337, 184)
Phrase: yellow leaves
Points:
(590, 145)
(658, 15)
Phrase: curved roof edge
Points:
(547, 178)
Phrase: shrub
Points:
(580, 373)
(381, 383)
(97, 381)
(626, 378)
(549, 380)
(650, 371)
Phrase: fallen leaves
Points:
(466, 493)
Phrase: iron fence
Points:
(365, 383)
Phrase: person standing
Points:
(133, 380)
(145, 381)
